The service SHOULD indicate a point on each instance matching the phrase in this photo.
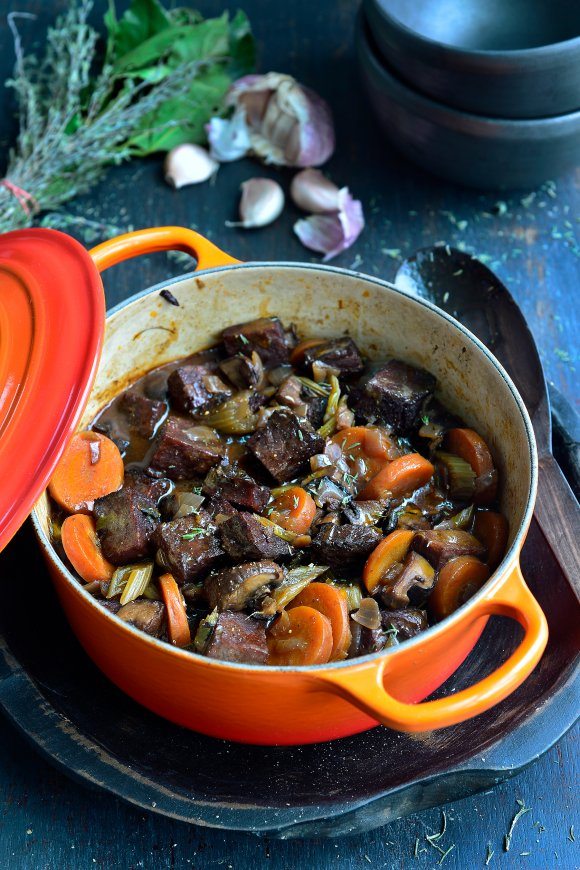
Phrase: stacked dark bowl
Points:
(482, 92)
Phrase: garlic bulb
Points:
(286, 123)
(313, 192)
(188, 164)
(332, 233)
(261, 203)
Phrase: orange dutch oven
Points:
(272, 705)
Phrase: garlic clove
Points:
(261, 203)
(188, 164)
(315, 193)
(285, 123)
(229, 139)
(330, 234)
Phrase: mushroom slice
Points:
(233, 588)
(411, 586)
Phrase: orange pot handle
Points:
(149, 241)
(364, 687)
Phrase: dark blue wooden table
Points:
(531, 238)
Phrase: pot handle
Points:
(365, 688)
(155, 239)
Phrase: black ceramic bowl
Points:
(488, 153)
(505, 58)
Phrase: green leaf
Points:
(243, 47)
(142, 20)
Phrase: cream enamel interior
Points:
(324, 301)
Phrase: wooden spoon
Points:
(473, 294)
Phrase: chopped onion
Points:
(368, 615)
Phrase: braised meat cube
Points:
(285, 444)
(266, 336)
(302, 401)
(337, 353)
(244, 538)
(233, 588)
(392, 396)
(345, 546)
(407, 623)
(196, 389)
(145, 615)
(188, 547)
(440, 545)
(220, 509)
(126, 521)
(184, 451)
(144, 415)
(154, 488)
(238, 638)
(236, 487)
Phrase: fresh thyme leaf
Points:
(523, 809)
(490, 854)
(425, 419)
(243, 338)
(194, 533)
(300, 435)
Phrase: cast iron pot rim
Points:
(488, 125)
(510, 559)
(554, 48)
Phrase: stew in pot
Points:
(277, 501)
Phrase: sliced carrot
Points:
(83, 550)
(391, 549)
(365, 449)
(492, 530)
(301, 636)
(458, 580)
(331, 602)
(298, 352)
(294, 509)
(177, 624)
(400, 477)
(90, 467)
(471, 447)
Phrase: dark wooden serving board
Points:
(82, 723)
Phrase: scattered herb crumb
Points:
(393, 253)
(434, 837)
(490, 854)
(523, 809)
(445, 854)
(243, 338)
(523, 854)
(368, 859)
(446, 297)
(565, 357)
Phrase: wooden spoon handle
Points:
(558, 514)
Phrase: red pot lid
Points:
(52, 317)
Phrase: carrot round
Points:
(177, 624)
(458, 580)
(300, 636)
(298, 352)
(294, 509)
(471, 447)
(329, 601)
(90, 467)
(399, 478)
(492, 530)
(83, 550)
(391, 549)
(365, 448)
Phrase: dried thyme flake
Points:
(434, 837)
(445, 854)
(490, 854)
(523, 809)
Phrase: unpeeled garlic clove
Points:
(228, 139)
(330, 234)
(261, 203)
(313, 192)
(285, 122)
(188, 164)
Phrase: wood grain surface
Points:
(531, 238)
